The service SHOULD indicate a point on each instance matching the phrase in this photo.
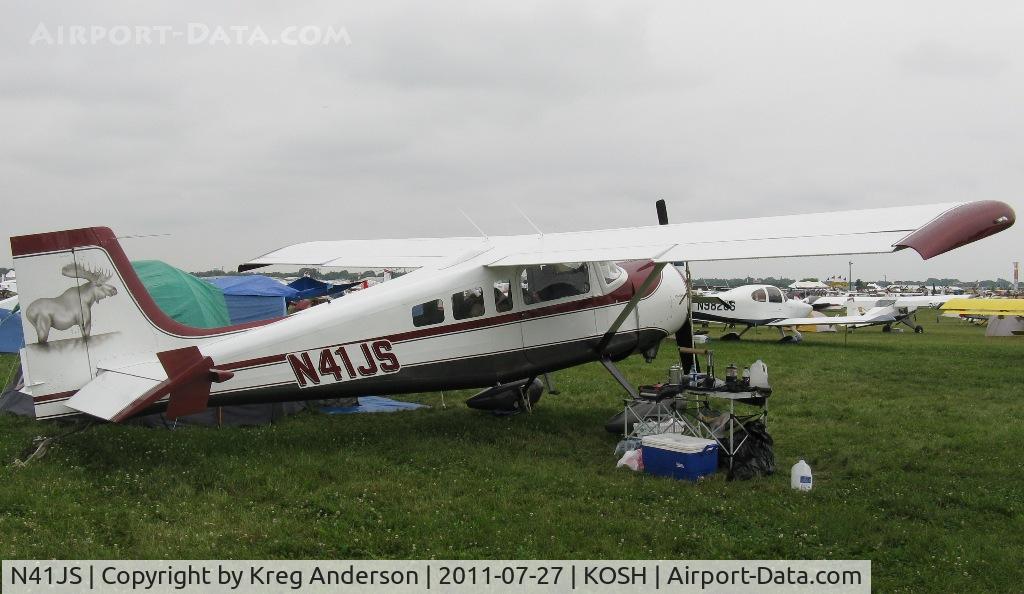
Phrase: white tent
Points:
(805, 285)
(1005, 326)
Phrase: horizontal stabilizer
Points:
(110, 393)
(184, 375)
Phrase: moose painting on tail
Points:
(73, 307)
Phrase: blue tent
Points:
(253, 297)
(11, 336)
(308, 288)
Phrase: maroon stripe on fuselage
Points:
(253, 362)
(621, 295)
(436, 331)
(54, 396)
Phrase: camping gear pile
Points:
(681, 425)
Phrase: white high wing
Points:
(476, 312)
(874, 231)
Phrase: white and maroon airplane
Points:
(476, 312)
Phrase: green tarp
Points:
(183, 297)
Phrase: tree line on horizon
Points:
(783, 283)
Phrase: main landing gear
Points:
(794, 337)
(733, 335)
(511, 398)
(917, 328)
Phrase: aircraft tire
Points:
(887, 328)
(918, 329)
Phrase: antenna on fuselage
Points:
(472, 222)
(143, 235)
(529, 220)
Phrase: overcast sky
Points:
(583, 114)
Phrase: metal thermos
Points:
(675, 374)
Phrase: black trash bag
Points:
(13, 400)
(756, 456)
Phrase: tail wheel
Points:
(918, 329)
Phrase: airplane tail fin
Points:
(851, 307)
(84, 311)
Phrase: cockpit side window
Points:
(610, 272)
(503, 295)
(426, 314)
(775, 295)
(468, 303)
(759, 295)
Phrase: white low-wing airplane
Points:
(867, 302)
(766, 305)
(477, 312)
(900, 306)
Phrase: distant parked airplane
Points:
(766, 305)
(1005, 316)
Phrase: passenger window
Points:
(774, 295)
(503, 295)
(759, 295)
(468, 304)
(425, 314)
(554, 281)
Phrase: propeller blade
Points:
(684, 336)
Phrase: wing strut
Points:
(639, 291)
(612, 369)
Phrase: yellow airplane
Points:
(1006, 316)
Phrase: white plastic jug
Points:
(800, 476)
(759, 375)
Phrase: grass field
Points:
(915, 442)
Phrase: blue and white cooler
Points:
(679, 456)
